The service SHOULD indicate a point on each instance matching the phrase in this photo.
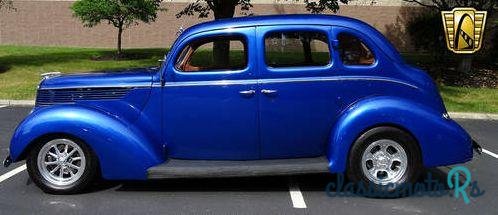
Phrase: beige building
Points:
(50, 22)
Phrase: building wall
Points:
(51, 23)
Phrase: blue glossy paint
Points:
(442, 141)
(126, 78)
(124, 150)
(314, 111)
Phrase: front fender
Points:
(441, 141)
(124, 152)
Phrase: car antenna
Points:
(180, 30)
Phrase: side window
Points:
(216, 53)
(353, 51)
(300, 48)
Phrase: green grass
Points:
(462, 99)
(204, 58)
(289, 59)
(21, 66)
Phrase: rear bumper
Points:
(7, 161)
(477, 148)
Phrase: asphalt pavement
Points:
(260, 195)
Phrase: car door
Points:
(210, 106)
(298, 100)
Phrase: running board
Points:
(174, 168)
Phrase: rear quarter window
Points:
(353, 51)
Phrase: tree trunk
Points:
(465, 64)
(223, 10)
(307, 50)
(120, 51)
(221, 49)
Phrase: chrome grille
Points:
(60, 96)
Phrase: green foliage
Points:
(6, 4)
(321, 5)
(220, 8)
(488, 5)
(21, 66)
(226, 8)
(425, 36)
(424, 24)
(120, 13)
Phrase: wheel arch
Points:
(45, 138)
(425, 124)
(386, 124)
(123, 150)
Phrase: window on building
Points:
(293, 49)
(353, 51)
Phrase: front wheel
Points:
(386, 159)
(62, 166)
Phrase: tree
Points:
(6, 4)
(490, 6)
(226, 9)
(440, 5)
(120, 13)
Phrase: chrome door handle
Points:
(268, 92)
(247, 92)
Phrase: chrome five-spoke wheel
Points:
(384, 161)
(384, 158)
(61, 162)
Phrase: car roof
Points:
(297, 19)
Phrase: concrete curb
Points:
(485, 116)
(22, 103)
(455, 115)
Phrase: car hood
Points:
(125, 78)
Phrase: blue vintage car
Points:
(266, 95)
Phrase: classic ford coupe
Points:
(267, 95)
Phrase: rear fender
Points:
(441, 141)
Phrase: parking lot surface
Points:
(260, 195)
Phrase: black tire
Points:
(89, 174)
(414, 165)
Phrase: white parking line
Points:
(296, 196)
(12, 173)
(2, 106)
(490, 153)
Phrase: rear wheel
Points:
(386, 159)
(62, 166)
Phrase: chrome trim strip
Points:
(239, 82)
(97, 86)
(210, 83)
(48, 75)
(281, 80)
